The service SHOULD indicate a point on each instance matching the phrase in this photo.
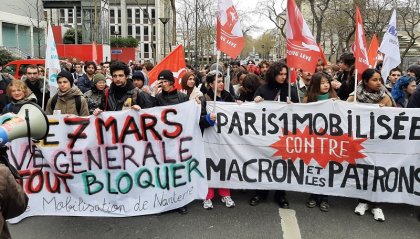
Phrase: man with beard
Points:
(123, 94)
(85, 82)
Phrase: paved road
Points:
(244, 221)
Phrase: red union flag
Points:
(360, 49)
(174, 62)
(373, 51)
(230, 39)
(302, 50)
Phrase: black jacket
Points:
(414, 101)
(84, 83)
(169, 98)
(4, 98)
(272, 90)
(117, 96)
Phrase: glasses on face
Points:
(119, 75)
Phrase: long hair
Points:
(18, 84)
(314, 89)
(184, 81)
(274, 70)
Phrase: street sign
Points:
(117, 51)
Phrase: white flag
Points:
(52, 63)
(390, 47)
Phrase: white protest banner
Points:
(328, 147)
(118, 164)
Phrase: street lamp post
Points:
(164, 20)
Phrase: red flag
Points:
(229, 37)
(360, 51)
(373, 51)
(302, 50)
(175, 62)
(323, 58)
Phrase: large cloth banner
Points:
(329, 147)
(115, 165)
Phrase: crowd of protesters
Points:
(85, 88)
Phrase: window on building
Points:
(146, 31)
(137, 16)
(138, 33)
(119, 14)
(130, 30)
(153, 14)
(112, 13)
(129, 13)
(146, 47)
(70, 16)
(62, 16)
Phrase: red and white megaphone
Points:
(30, 121)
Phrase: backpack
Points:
(77, 99)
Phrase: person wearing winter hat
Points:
(68, 99)
(95, 95)
(168, 94)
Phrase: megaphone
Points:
(30, 121)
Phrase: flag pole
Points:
(215, 81)
(45, 74)
(289, 85)
(355, 84)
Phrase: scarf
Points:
(364, 96)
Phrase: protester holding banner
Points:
(168, 95)
(403, 89)
(250, 84)
(319, 89)
(276, 89)
(123, 94)
(20, 94)
(371, 90)
(69, 99)
(208, 120)
(188, 83)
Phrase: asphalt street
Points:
(244, 221)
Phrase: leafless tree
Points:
(35, 12)
(270, 10)
(409, 13)
(318, 9)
